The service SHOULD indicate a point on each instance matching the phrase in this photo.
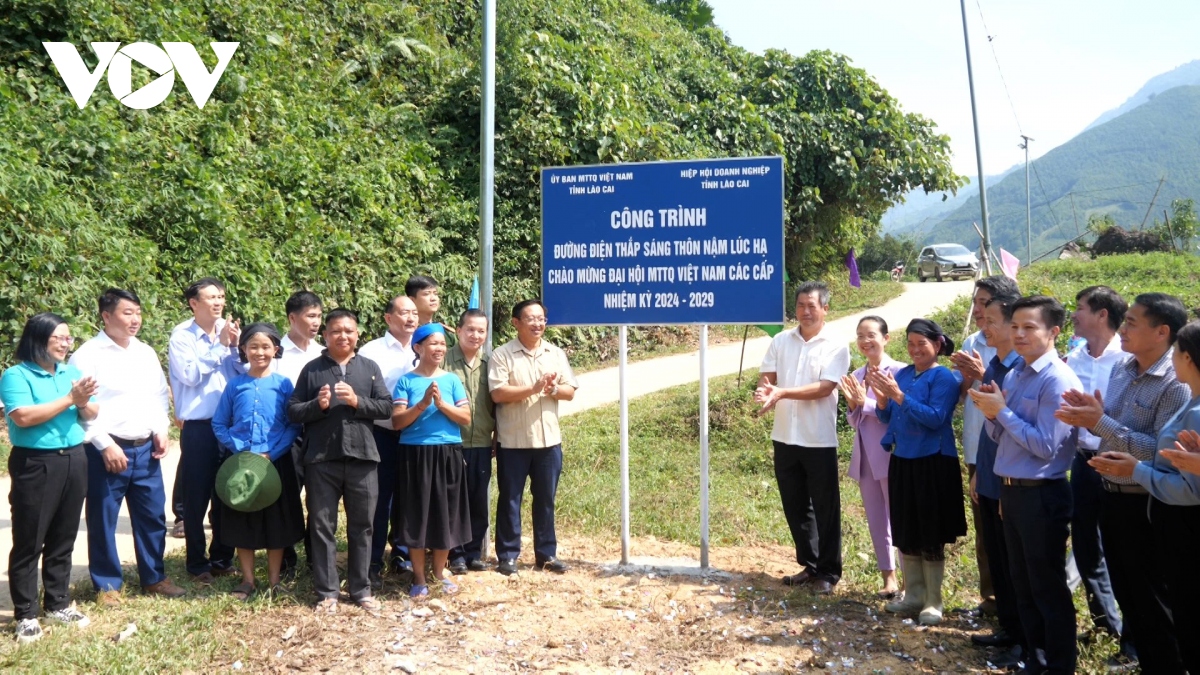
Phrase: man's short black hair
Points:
(339, 313)
(520, 306)
(1005, 302)
(1162, 308)
(471, 314)
(391, 306)
(300, 301)
(817, 287)
(193, 291)
(35, 337)
(1103, 297)
(417, 283)
(998, 284)
(112, 297)
(1053, 312)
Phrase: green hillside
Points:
(1113, 168)
(340, 149)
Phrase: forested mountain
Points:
(340, 150)
(1114, 168)
(1186, 75)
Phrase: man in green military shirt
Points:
(468, 361)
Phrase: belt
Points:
(131, 442)
(1024, 482)
(1125, 489)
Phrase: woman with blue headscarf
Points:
(431, 404)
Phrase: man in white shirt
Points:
(299, 347)
(395, 356)
(972, 361)
(124, 444)
(799, 378)
(1099, 312)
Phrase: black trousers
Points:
(991, 535)
(542, 469)
(479, 475)
(201, 459)
(177, 496)
(47, 492)
(1177, 534)
(812, 504)
(1036, 523)
(389, 506)
(1086, 492)
(354, 483)
(1138, 583)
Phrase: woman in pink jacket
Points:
(869, 461)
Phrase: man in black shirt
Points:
(337, 396)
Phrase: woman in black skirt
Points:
(924, 478)
(252, 417)
(431, 404)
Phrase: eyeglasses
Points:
(63, 339)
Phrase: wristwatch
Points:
(554, 390)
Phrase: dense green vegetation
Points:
(340, 149)
(1112, 169)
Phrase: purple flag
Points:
(852, 263)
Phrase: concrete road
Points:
(597, 388)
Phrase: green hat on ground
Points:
(248, 482)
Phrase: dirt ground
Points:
(596, 619)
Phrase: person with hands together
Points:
(430, 406)
(252, 418)
(527, 378)
(202, 356)
(337, 397)
(798, 379)
(1174, 489)
(1034, 451)
(124, 445)
(45, 401)
(868, 460)
(917, 404)
(1143, 394)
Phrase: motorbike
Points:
(898, 270)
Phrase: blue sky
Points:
(1065, 61)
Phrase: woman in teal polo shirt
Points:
(45, 400)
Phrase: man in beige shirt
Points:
(527, 378)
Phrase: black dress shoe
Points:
(551, 564)
(1009, 659)
(1000, 638)
(477, 566)
(457, 566)
(507, 567)
(375, 578)
(1121, 663)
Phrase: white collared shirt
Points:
(395, 361)
(972, 417)
(294, 359)
(133, 390)
(797, 362)
(1094, 373)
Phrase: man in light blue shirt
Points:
(1034, 452)
(202, 356)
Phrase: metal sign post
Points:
(693, 242)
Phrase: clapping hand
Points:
(1185, 456)
(1081, 410)
(1114, 464)
(970, 364)
(767, 395)
(884, 384)
(324, 397)
(432, 395)
(989, 399)
(345, 394)
(854, 391)
(231, 332)
(548, 382)
(82, 390)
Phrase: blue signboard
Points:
(660, 243)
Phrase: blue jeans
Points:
(478, 475)
(541, 467)
(141, 486)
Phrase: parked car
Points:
(942, 261)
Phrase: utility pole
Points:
(987, 237)
(1152, 200)
(1028, 209)
(487, 178)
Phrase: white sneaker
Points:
(28, 630)
(70, 616)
